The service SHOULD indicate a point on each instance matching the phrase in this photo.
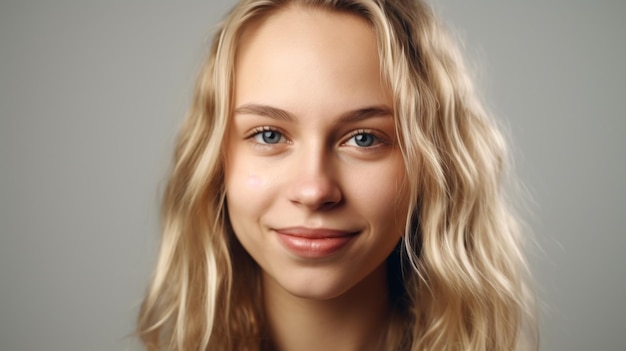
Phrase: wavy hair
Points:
(462, 270)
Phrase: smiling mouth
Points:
(314, 243)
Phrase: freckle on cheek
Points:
(255, 181)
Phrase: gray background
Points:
(92, 93)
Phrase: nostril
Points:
(330, 204)
(316, 193)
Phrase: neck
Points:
(356, 320)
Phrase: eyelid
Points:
(257, 130)
(381, 139)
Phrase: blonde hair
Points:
(463, 272)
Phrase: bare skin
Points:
(351, 321)
(312, 175)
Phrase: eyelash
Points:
(258, 131)
(379, 141)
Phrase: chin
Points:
(319, 293)
(317, 283)
(312, 283)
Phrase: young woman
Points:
(337, 186)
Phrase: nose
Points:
(315, 185)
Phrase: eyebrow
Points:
(282, 115)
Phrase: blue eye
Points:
(269, 137)
(363, 140)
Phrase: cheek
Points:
(248, 191)
(239, 177)
(381, 191)
(245, 191)
(255, 182)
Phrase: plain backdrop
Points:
(92, 93)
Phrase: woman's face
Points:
(313, 169)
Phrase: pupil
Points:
(271, 137)
(364, 139)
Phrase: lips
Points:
(314, 243)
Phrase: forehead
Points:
(300, 50)
(289, 24)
